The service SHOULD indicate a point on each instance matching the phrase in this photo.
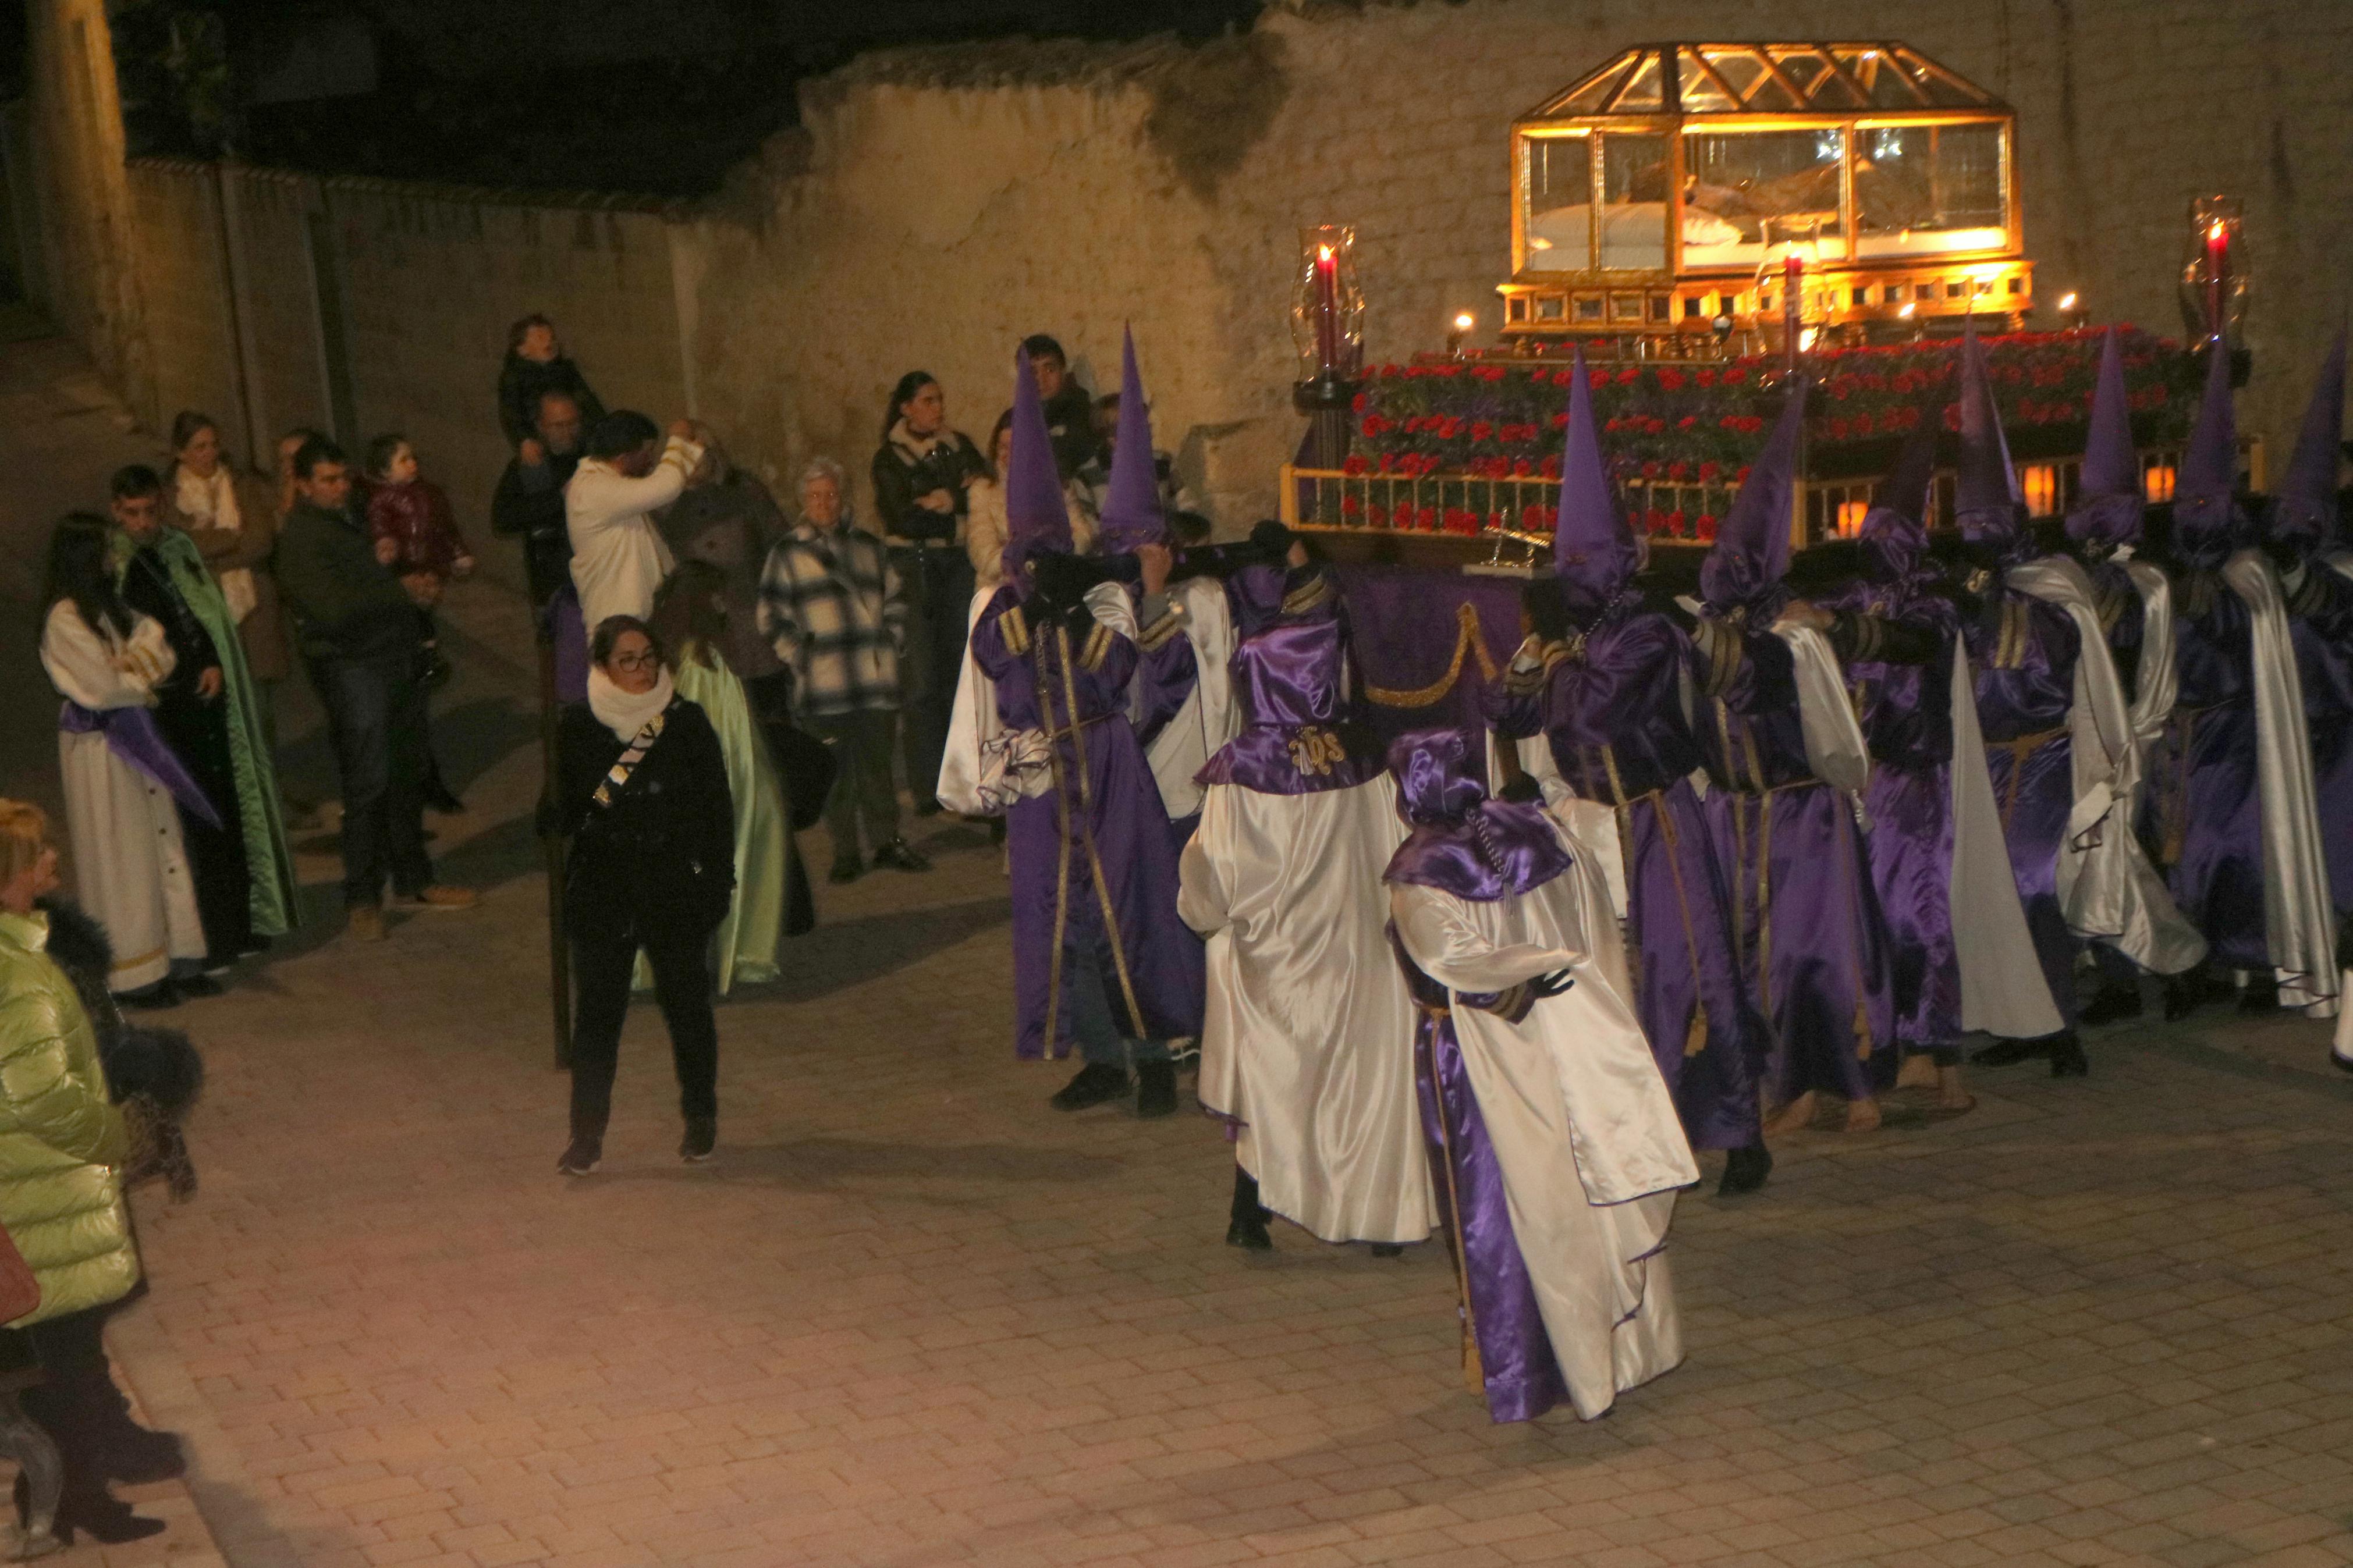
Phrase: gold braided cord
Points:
(1469, 640)
(1087, 826)
(1061, 848)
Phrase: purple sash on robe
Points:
(132, 735)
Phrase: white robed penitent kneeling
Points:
(1583, 1130)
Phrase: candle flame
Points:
(2066, 301)
(2217, 232)
(1907, 311)
(1464, 322)
(1324, 253)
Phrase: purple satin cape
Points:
(132, 735)
(1463, 843)
(1298, 735)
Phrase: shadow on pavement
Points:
(820, 1165)
(836, 956)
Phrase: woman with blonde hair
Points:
(62, 1147)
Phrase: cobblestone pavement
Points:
(909, 1316)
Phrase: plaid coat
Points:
(832, 607)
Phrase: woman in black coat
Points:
(641, 792)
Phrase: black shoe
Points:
(701, 1138)
(444, 803)
(149, 998)
(2114, 1005)
(1097, 1083)
(2009, 1053)
(197, 985)
(1155, 1088)
(899, 856)
(845, 870)
(927, 806)
(1388, 1249)
(105, 1518)
(2260, 996)
(581, 1157)
(252, 945)
(1249, 1232)
(1744, 1170)
(2341, 1064)
(2067, 1058)
(2184, 994)
(996, 833)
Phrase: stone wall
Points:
(245, 311)
(938, 204)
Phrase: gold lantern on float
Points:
(1655, 200)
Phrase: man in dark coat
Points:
(1069, 409)
(528, 502)
(358, 630)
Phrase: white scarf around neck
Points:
(627, 713)
(212, 502)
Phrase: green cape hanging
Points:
(274, 900)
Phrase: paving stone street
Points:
(909, 1316)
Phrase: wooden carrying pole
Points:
(559, 954)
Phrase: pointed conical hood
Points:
(1751, 555)
(1592, 549)
(1985, 486)
(1132, 513)
(2107, 509)
(1895, 534)
(2207, 525)
(1035, 518)
(2304, 510)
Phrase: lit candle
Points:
(2218, 274)
(1793, 276)
(1327, 310)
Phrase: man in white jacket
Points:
(619, 559)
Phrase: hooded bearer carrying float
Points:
(1307, 1041)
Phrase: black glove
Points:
(1552, 985)
(1524, 790)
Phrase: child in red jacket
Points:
(416, 533)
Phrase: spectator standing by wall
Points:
(923, 473)
(619, 558)
(831, 605)
(163, 577)
(410, 521)
(528, 502)
(985, 525)
(124, 786)
(356, 624)
(1070, 411)
(536, 365)
(232, 516)
(727, 520)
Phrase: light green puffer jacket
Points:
(61, 1143)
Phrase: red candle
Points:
(1327, 310)
(2218, 274)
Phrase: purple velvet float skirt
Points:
(1709, 1042)
(2035, 789)
(1911, 846)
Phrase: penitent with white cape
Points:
(1557, 1150)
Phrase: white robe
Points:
(130, 866)
(1208, 720)
(1583, 1128)
(1307, 1038)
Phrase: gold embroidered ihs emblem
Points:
(1313, 750)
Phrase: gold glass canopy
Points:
(1669, 188)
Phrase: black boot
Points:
(1744, 1170)
(1388, 1249)
(2067, 1058)
(1247, 1227)
(2117, 1001)
(1155, 1088)
(1097, 1083)
(90, 1510)
(2009, 1053)
(2261, 994)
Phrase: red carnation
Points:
(1703, 528)
(1560, 421)
(1675, 523)
(1522, 468)
(1597, 379)
(1351, 507)
(1359, 402)
(1670, 378)
(1354, 464)
(1704, 377)
(1650, 469)
(1708, 470)
(1688, 422)
(1678, 470)
(1429, 517)
(1550, 468)
(1734, 376)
